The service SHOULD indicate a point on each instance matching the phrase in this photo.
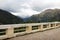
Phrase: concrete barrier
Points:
(12, 30)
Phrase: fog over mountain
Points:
(49, 15)
(8, 18)
(25, 8)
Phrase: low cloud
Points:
(25, 8)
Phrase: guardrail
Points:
(8, 31)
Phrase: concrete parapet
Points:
(20, 29)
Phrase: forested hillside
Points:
(48, 15)
(7, 18)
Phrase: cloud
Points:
(10, 5)
(25, 12)
(39, 5)
(25, 8)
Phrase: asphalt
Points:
(53, 34)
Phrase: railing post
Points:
(55, 25)
(59, 24)
(40, 27)
(28, 29)
(9, 32)
(49, 25)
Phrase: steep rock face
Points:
(7, 18)
(48, 15)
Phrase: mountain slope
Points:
(7, 18)
(48, 15)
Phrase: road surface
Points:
(53, 34)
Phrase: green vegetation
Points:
(34, 27)
(44, 26)
(2, 31)
(19, 29)
(49, 15)
(7, 18)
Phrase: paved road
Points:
(53, 34)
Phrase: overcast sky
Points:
(26, 8)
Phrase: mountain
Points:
(8, 18)
(48, 15)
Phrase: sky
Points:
(26, 8)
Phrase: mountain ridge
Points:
(8, 18)
(48, 15)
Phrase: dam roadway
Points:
(53, 34)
